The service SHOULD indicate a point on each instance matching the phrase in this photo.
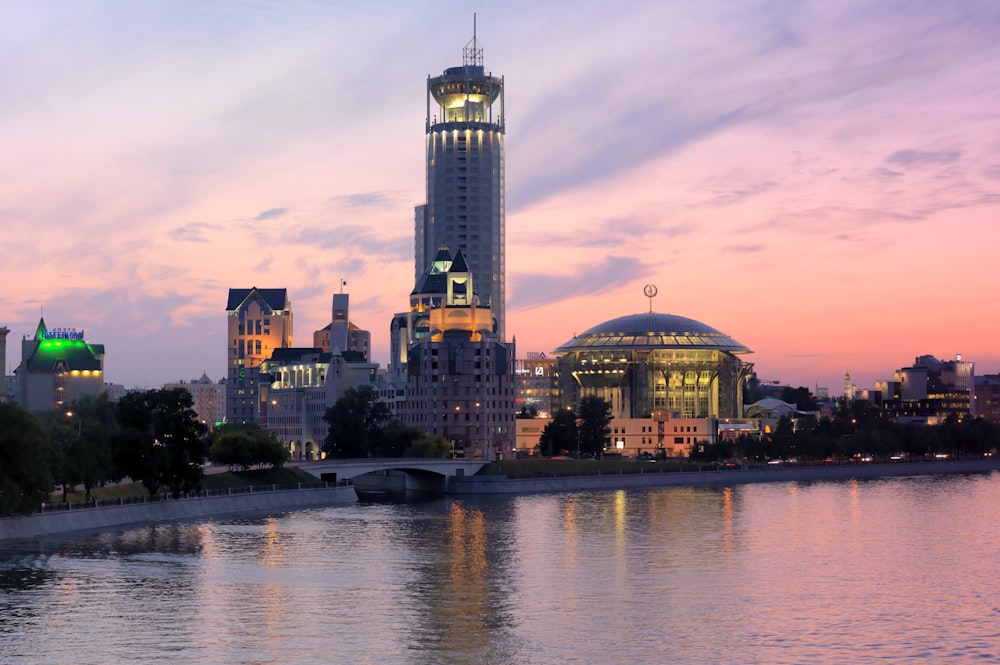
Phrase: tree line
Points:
(583, 431)
(152, 437)
(858, 431)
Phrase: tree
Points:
(63, 436)
(25, 452)
(560, 435)
(800, 397)
(429, 445)
(397, 439)
(528, 411)
(161, 442)
(595, 424)
(97, 425)
(356, 423)
(244, 446)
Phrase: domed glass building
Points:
(647, 363)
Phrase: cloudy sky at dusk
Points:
(819, 180)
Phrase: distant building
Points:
(341, 334)
(460, 377)
(987, 397)
(3, 363)
(259, 321)
(115, 391)
(57, 367)
(928, 392)
(765, 414)
(301, 384)
(659, 434)
(208, 399)
(537, 384)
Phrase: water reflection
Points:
(792, 573)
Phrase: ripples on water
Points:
(901, 570)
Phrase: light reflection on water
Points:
(902, 569)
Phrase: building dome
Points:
(652, 331)
(648, 363)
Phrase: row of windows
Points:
(255, 327)
(490, 391)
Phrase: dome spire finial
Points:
(650, 291)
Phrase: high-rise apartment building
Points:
(465, 177)
(260, 321)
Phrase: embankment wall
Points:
(503, 485)
(87, 519)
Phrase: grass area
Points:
(282, 476)
(213, 481)
(522, 468)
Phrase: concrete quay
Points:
(61, 522)
(485, 485)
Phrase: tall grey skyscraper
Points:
(465, 177)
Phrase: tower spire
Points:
(472, 54)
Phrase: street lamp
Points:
(479, 420)
(79, 423)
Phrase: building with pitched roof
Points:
(459, 375)
(429, 292)
(259, 321)
(57, 367)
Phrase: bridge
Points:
(394, 478)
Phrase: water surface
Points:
(897, 570)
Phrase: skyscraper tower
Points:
(465, 177)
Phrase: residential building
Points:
(259, 321)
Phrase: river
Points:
(894, 570)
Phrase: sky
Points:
(819, 180)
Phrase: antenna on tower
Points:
(472, 54)
(650, 292)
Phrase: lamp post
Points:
(485, 445)
(79, 423)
